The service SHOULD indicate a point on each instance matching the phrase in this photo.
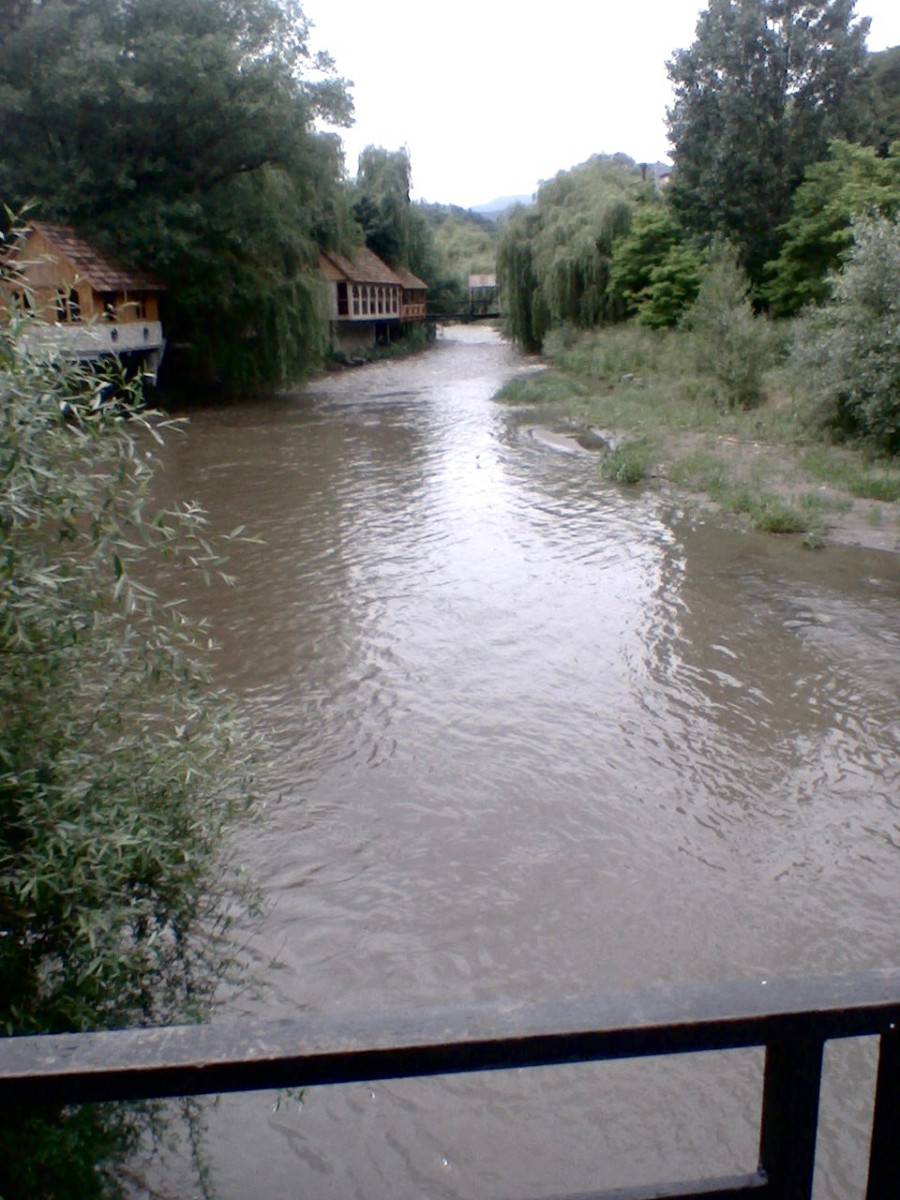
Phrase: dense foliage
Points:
(181, 135)
(555, 259)
(731, 346)
(853, 181)
(880, 99)
(848, 352)
(121, 767)
(655, 273)
(465, 244)
(781, 127)
(758, 96)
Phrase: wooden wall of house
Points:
(56, 291)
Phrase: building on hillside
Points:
(658, 173)
(79, 301)
(367, 301)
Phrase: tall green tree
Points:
(852, 182)
(182, 135)
(655, 272)
(394, 228)
(881, 100)
(759, 94)
(381, 202)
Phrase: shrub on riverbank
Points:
(847, 354)
(121, 766)
(731, 347)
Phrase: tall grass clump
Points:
(841, 468)
(542, 387)
(615, 353)
(122, 767)
(629, 464)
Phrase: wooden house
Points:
(367, 301)
(79, 301)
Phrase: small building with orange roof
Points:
(368, 301)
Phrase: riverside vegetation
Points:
(738, 327)
(122, 767)
(745, 412)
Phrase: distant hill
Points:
(497, 208)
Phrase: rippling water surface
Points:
(533, 736)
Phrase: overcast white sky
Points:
(492, 96)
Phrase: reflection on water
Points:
(531, 736)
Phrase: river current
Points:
(531, 736)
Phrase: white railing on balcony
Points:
(93, 338)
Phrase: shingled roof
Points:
(103, 273)
(364, 267)
(411, 282)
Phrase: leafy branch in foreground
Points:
(122, 768)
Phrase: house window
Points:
(355, 300)
(342, 308)
(394, 306)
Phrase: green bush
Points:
(847, 354)
(731, 346)
(673, 285)
(121, 766)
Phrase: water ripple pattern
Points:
(532, 736)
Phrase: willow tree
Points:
(555, 259)
(183, 137)
(527, 316)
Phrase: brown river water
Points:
(534, 736)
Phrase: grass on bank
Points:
(767, 463)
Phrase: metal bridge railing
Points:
(792, 1019)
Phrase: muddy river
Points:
(532, 735)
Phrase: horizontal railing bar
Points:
(318, 1049)
(733, 1187)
